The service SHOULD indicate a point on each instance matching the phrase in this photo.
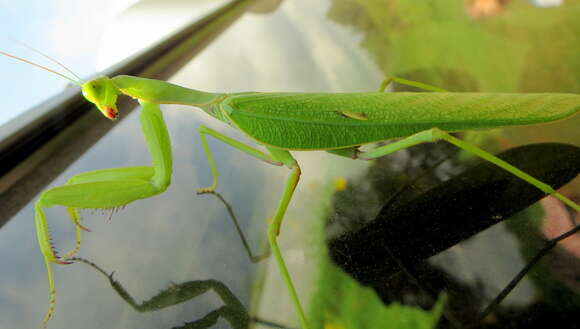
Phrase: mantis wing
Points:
(304, 121)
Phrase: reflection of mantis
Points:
(284, 122)
(253, 258)
(232, 310)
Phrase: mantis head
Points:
(100, 91)
(103, 93)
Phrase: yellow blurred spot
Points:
(332, 326)
(340, 184)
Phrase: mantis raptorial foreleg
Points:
(111, 174)
(73, 214)
(108, 188)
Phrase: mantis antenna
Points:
(48, 57)
(76, 82)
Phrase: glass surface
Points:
(179, 238)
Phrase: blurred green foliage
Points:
(523, 48)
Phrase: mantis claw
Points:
(205, 190)
(76, 219)
(84, 228)
(62, 262)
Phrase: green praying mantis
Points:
(338, 123)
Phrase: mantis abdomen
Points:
(309, 121)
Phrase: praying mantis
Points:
(338, 123)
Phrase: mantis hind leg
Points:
(435, 134)
(410, 83)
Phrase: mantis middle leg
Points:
(276, 157)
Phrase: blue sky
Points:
(69, 31)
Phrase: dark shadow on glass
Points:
(416, 224)
(513, 283)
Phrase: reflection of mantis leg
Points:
(232, 310)
(514, 282)
(278, 157)
(230, 210)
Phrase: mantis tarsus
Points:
(338, 123)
